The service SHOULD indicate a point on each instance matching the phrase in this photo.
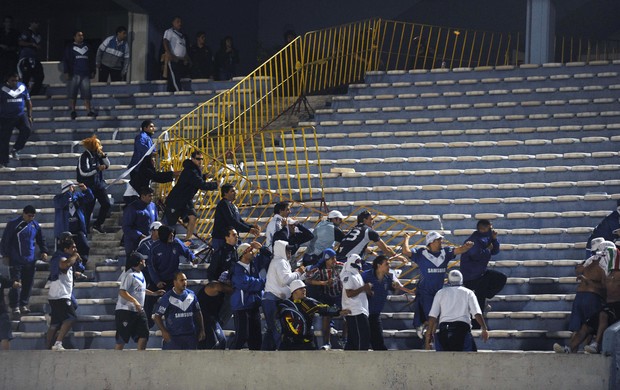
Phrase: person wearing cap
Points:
(165, 257)
(18, 244)
(227, 215)
(382, 281)
(326, 233)
(484, 282)
(246, 299)
(357, 239)
(452, 308)
(60, 294)
(69, 208)
(298, 333)
(180, 203)
(355, 299)
(178, 317)
(279, 276)
(324, 284)
(212, 299)
(608, 229)
(137, 218)
(130, 315)
(432, 261)
(294, 233)
(281, 211)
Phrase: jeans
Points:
(25, 274)
(358, 338)
(376, 333)
(247, 329)
(271, 340)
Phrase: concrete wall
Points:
(300, 370)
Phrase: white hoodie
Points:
(352, 280)
(280, 275)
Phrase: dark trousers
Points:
(376, 333)
(454, 336)
(100, 195)
(176, 71)
(82, 245)
(215, 338)
(486, 286)
(113, 74)
(247, 329)
(6, 130)
(358, 336)
(30, 68)
(25, 274)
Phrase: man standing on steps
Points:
(281, 211)
(90, 169)
(165, 258)
(113, 56)
(137, 219)
(29, 66)
(69, 208)
(59, 295)
(227, 215)
(356, 241)
(485, 283)
(176, 58)
(18, 244)
(79, 68)
(326, 233)
(15, 112)
(179, 203)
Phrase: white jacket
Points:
(280, 274)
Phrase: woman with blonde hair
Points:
(90, 169)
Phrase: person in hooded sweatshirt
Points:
(137, 219)
(179, 203)
(355, 299)
(165, 257)
(485, 283)
(279, 277)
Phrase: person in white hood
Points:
(279, 276)
(354, 299)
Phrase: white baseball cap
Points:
(155, 225)
(242, 248)
(335, 214)
(455, 277)
(64, 187)
(432, 236)
(296, 285)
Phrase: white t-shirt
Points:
(455, 303)
(62, 287)
(133, 282)
(358, 304)
(177, 42)
(276, 223)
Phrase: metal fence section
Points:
(572, 49)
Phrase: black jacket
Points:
(145, 173)
(221, 260)
(294, 239)
(190, 181)
(227, 214)
(87, 171)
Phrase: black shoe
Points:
(98, 228)
(15, 154)
(92, 114)
(73, 115)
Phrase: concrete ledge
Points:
(301, 370)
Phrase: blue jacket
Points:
(165, 257)
(247, 287)
(18, 241)
(62, 215)
(137, 219)
(141, 145)
(13, 101)
(78, 60)
(87, 171)
(474, 261)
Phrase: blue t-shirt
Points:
(178, 311)
(433, 266)
(380, 289)
(13, 101)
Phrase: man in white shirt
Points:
(281, 211)
(354, 299)
(454, 305)
(175, 56)
(59, 295)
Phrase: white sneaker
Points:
(421, 331)
(592, 348)
(58, 347)
(326, 347)
(560, 348)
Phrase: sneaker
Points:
(326, 347)
(2, 166)
(421, 331)
(58, 347)
(92, 114)
(16, 312)
(73, 115)
(560, 348)
(592, 348)
(111, 261)
(15, 154)
(25, 310)
(98, 228)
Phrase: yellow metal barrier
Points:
(571, 49)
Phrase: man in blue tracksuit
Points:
(113, 56)
(485, 283)
(165, 257)
(15, 112)
(18, 244)
(137, 219)
(79, 68)
(69, 208)
(143, 142)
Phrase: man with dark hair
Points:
(225, 256)
(131, 321)
(227, 214)
(70, 206)
(29, 65)
(177, 60)
(281, 211)
(78, 63)
(18, 244)
(356, 241)
(15, 112)
(485, 283)
(179, 203)
(182, 326)
(60, 292)
(113, 56)
(202, 58)
(453, 306)
(212, 298)
(144, 175)
(143, 143)
(137, 218)
(295, 233)
(165, 258)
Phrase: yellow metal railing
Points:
(571, 49)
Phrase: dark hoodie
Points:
(474, 261)
(190, 181)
